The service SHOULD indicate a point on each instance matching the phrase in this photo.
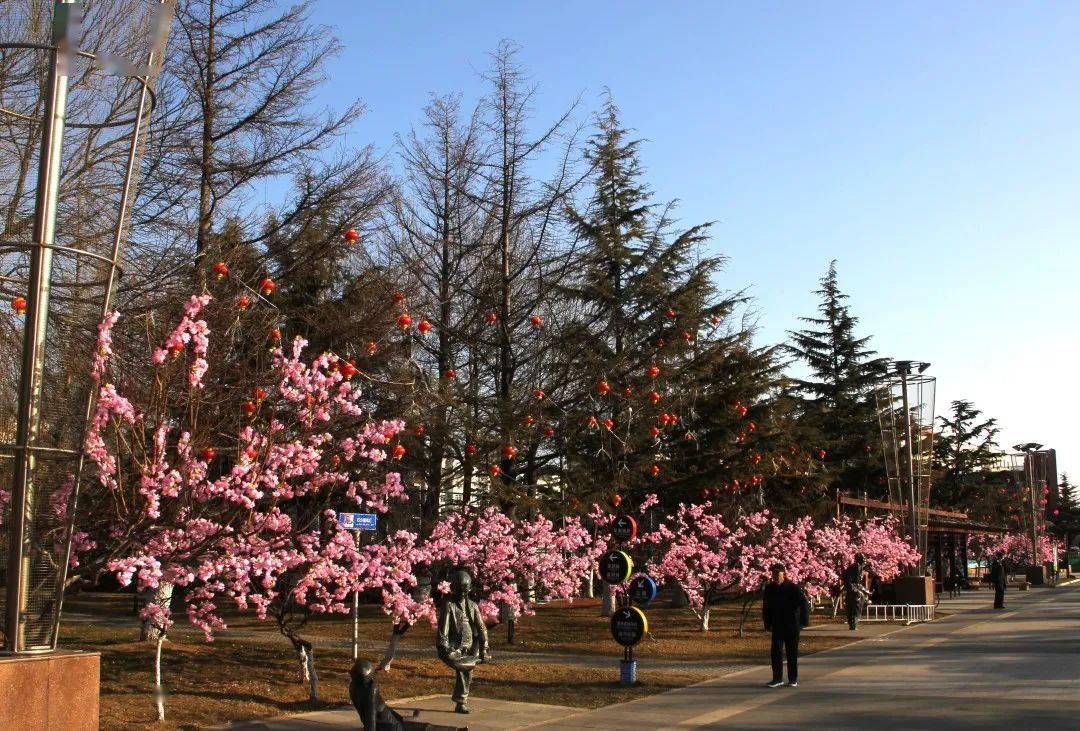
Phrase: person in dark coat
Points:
(785, 611)
(856, 595)
(998, 578)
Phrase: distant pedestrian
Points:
(856, 595)
(998, 579)
(785, 611)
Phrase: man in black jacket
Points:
(785, 611)
(998, 579)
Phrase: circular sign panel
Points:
(642, 589)
(615, 567)
(628, 626)
(624, 528)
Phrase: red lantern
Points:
(418, 430)
(616, 499)
(654, 397)
(267, 286)
(351, 236)
(18, 304)
(275, 335)
(549, 432)
(372, 347)
(251, 453)
(653, 371)
(243, 302)
(398, 451)
(536, 321)
(220, 270)
(752, 426)
(207, 454)
(609, 424)
(249, 408)
(404, 321)
(672, 314)
(424, 327)
(821, 454)
(470, 449)
(687, 336)
(660, 342)
(258, 393)
(495, 470)
(509, 451)
(654, 470)
(399, 298)
(539, 394)
(176, 350)
(654, 432)
(528, 420)
(603, 387)
(348, 370)
(492, 318)
(451, 373)
(755, 458)
(628, 392)
(715, 320)
(591, 421)
(664, 419)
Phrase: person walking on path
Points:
(785, 611)
(998, 579)
(856, 595)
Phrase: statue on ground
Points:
(461, 638)
(374, 713)
(856, 595)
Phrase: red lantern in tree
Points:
(672, 314)
(715, 320)
(660, 342)
(654, 470)
(628, 392)
(267, 286)
(603, 387)
(398, 451)
(687, 336)
(528, 420)
(654, 397)
(399, 298)
(591, 421)
(275, 335)
(539, 394)
(821, 454)
(424, 327)
(609, 424)
(404, 321)
(549, 432)
(492, 318)
(654, 371)
(372, 347)
(470, 449)
(755, 458)
(664, 419)
(259, 393)
(207, 454)
(175, 350)
(18, 304)
(220, 270)
(348, 370)
(251, 453)
(249, 408)
(418, 430)
(616, 499)
(351, 236)
(536, 321)
(654, 432)
(509, 451)
(495, 470)
(751, 426)
(451, 373)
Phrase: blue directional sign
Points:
(357, 521)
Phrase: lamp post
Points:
(1030, 451)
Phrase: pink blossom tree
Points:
(244, 517)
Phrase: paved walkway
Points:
(976, 669)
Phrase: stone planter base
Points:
(58, 691)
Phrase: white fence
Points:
(906, 613)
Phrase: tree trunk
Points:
(747, 603)
(607, 608)
(589, 592)
(162, 596)
(391, 647)
(307, 669)
(703, 619)
(159, 689)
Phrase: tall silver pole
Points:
(908, 455)
(28, 413)
(356, 614)
(1035, 562)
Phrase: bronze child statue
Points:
(461, 641)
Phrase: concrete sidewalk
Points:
(975, 669)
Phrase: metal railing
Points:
(906, 613)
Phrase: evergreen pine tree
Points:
(963, 452)
(836, 399)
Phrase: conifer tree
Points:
(963, 452)
(836, 399)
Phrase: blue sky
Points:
(932, 148)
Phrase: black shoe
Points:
(774, 684)
(461, 708)
(793, 684)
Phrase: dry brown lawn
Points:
(252, 671)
